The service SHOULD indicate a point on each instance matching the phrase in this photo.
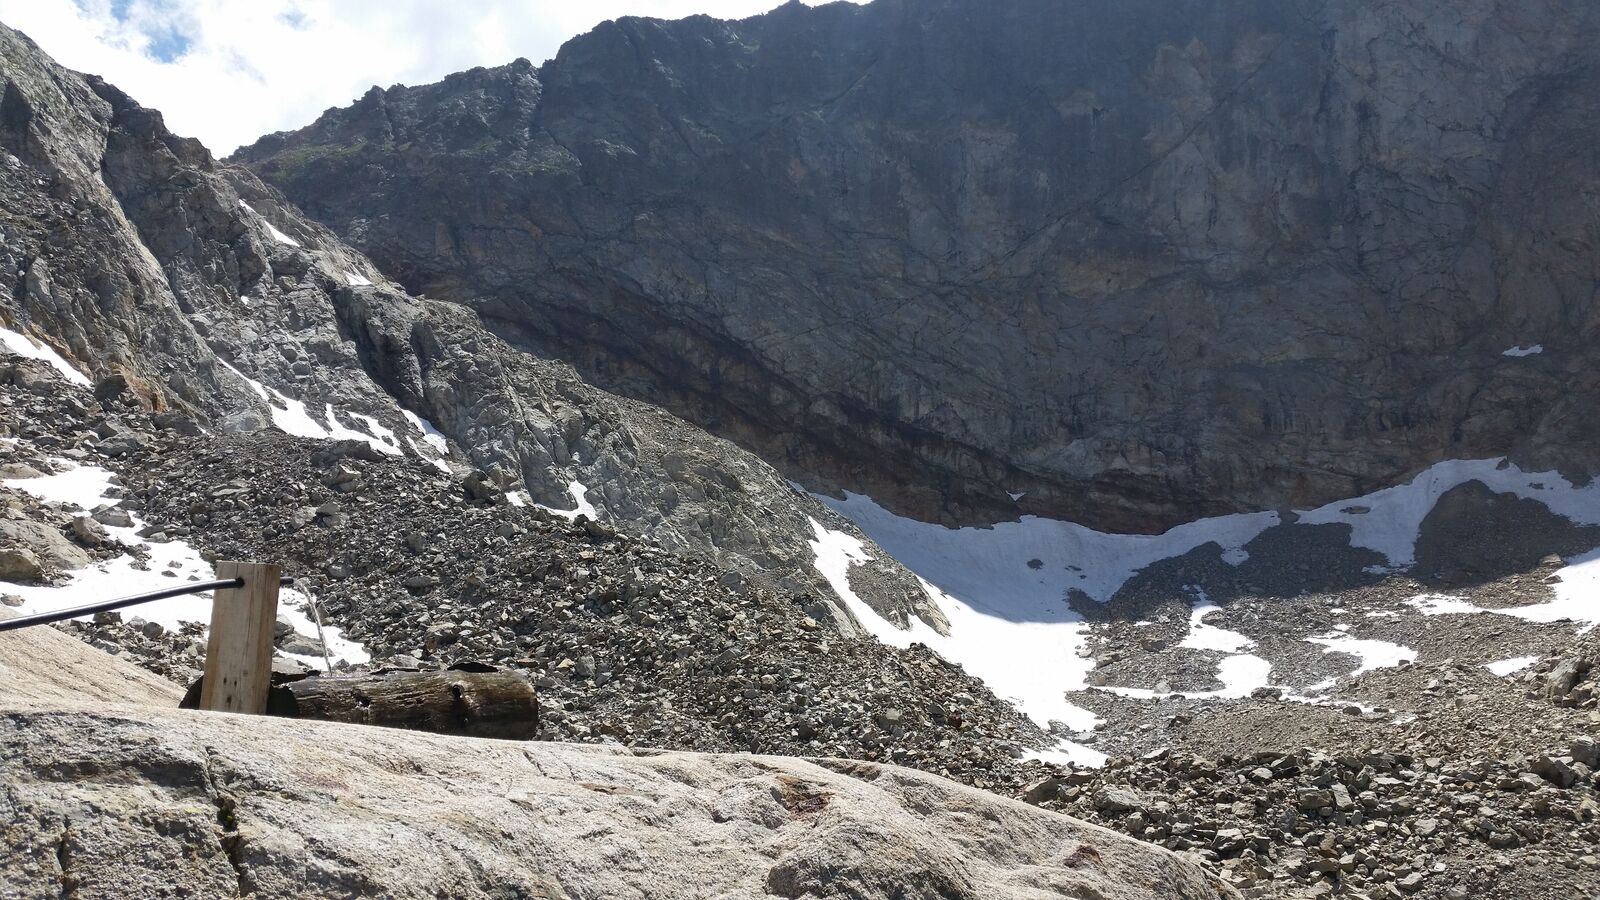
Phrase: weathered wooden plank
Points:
(481, 704)
(239, 650)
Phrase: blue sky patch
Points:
(160, 26)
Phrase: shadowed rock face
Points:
(1143, 260)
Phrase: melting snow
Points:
(294, 606)
(169, 564)
(355, 280)
(1577, 598)
(430, 435)
(22, 345)
(381, 438)
(1031, 660)
(439, 464)
(1010, 624)
(1068, 753)
(1209, 637)
(1374, 654)
(1240, 676)
(1511, 666)
(977, 564)
(1016, 495)
(80, 487)
(1529, 350)
(277, 235)
(582, 507)
(290, 416)
(1389, 520)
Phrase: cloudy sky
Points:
(229, 71)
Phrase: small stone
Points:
(1556, 770)
(113, 516)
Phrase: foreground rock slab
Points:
(43, 665)
(113, 801)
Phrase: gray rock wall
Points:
(1143, 260)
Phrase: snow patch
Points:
(434, 461)
(1010, 624)
(80, 487)
(992, 562)
(295, 606)
(355, 280)
(1510, 666)
(277, 235)
(380, 438)
(1441, 604)
(1031, 660)
(22, 345)
(1240, 675)
(290, 416)
(1577, 598)
(168, 564)
(432, 436)
(1004, 588)
(1388, 521)
(1373, 654)
(1068, 753)
(1529, 350)
(1016, 495)
(1202, 636)
(581, 506)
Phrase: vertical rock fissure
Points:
(227, 825)
(69, 881)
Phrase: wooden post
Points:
(239, 651)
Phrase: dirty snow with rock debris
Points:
(22, 345)
(83, 489)
(1389, 521)
(1005, 588)
(291, 417)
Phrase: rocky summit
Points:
(918, 448)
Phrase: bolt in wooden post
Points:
(239, 652)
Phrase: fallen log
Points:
(493, 704)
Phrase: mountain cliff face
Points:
(194, 287)
(1143, 261)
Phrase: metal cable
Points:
(316, 613)
(194, 587)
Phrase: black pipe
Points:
(193, 587)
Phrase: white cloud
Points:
(239, 69)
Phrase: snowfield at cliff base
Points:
(1005, 588)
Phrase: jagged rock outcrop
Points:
(199, 290)
(1141, 261)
